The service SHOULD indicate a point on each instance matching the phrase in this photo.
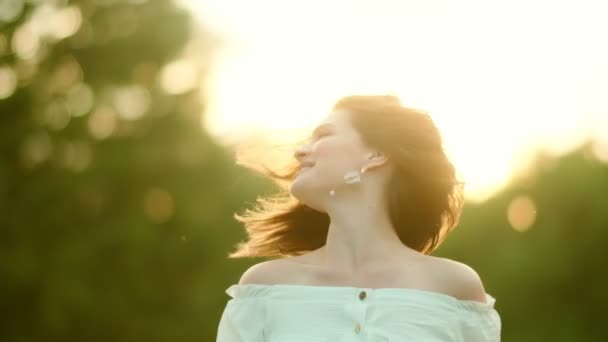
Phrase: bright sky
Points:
(498, 77)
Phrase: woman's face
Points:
(335, 148)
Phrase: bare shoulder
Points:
(463, 281)
(265, 272)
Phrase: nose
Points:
(300, 153)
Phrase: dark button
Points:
(362, 295)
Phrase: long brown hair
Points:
(424, 197)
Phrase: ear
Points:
(377, 161)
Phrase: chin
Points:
(296, 189)
(306, 195)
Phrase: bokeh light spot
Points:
(80, 99)
(158, 205)
(36, 149)
(521, 213)
(77, 155)
(10, 10)
(57, 116)
(102, 123)
(25, 42)
(66, 22)
(66, 75)
(131, 102)
(178, 76)
(8, 82)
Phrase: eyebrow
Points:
(320, 127)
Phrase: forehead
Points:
(336, 118)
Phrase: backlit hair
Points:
(423, 195)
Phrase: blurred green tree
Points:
(116, 208)
(113, 200)
(539, 247)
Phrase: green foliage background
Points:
(123, 237)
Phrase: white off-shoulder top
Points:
(307, 313)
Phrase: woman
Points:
(371, 195)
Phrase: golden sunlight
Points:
(500, 79)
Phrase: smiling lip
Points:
(306, 164)
(305, 167)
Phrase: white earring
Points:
(350, 177)
(354, 176)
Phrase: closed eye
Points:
(319, 135)
(321, 131)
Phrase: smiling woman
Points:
(422, 195)
(370, 195)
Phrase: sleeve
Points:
(242, 321)
(480, 325)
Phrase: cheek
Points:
(334, 150)
(325, 150)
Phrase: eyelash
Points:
(319, 136)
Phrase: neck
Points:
(360, 237)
